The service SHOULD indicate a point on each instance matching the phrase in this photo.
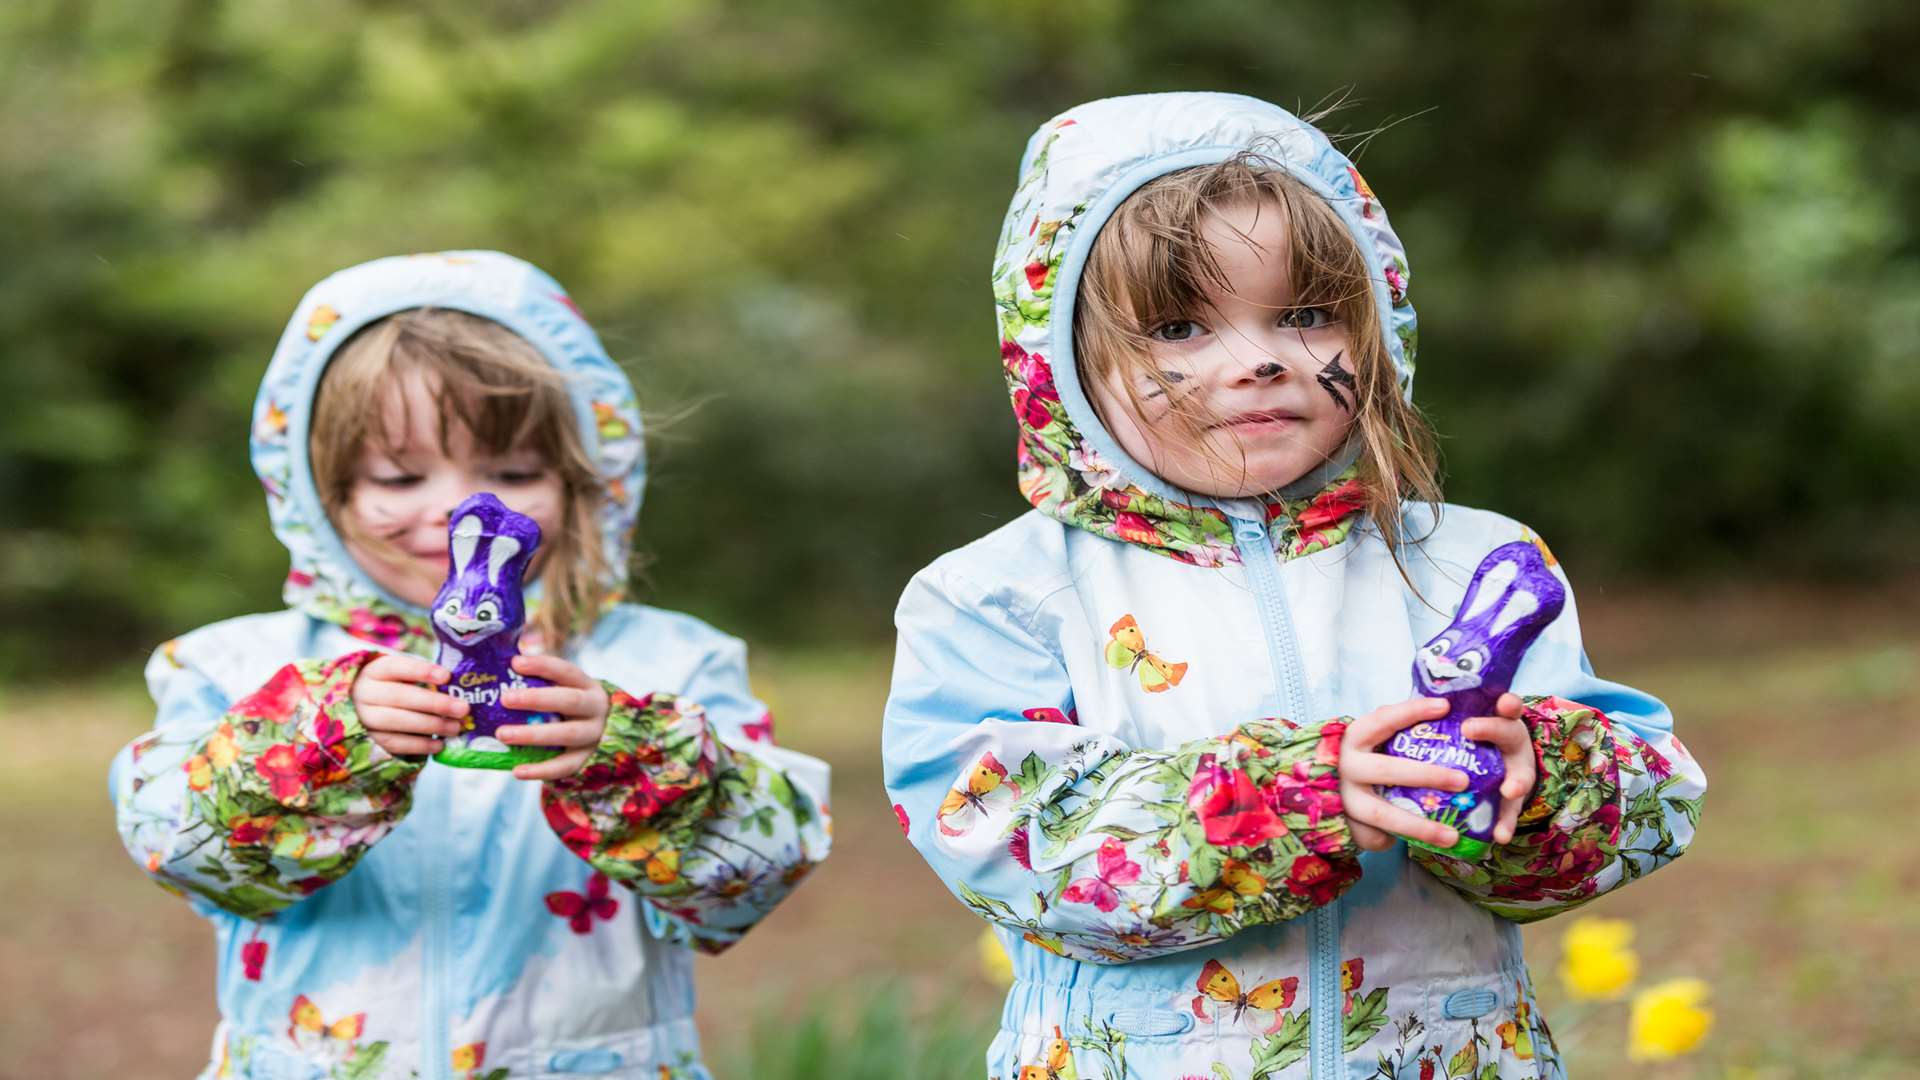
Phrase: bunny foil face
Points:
(489, 547)
(1511, 599)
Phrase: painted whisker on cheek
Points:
(1334, 376)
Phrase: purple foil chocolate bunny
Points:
(1512, 598)
(478, 616)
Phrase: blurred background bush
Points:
(1664, 254)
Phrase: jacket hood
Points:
(1077, 170)
(324, 581)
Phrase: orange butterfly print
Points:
(311, 1033)
(1257, 1009)
(1237, 882)
(1056, 1063)
(1127, 650)
(987, 791)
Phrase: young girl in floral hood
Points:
(1138, 729)
(381, 917)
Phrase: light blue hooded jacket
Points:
(1115, 722)
(380, 917)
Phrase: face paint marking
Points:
(1335, 375)
(1267, 370)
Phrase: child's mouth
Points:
(1269, 419)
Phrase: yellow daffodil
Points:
(1669, 1019)
(995, 964)
(1597, 960)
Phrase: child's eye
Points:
(519, 476)
(397, 481)
(1176, 330)
(1306, 318)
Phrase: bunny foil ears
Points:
(509, 539)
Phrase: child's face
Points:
(405, 498)
(1270, 382)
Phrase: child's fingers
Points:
(385, 718)
(558, 768)
(1511, 736)
(397, 667)
(559, 733)
(1377, 812)
(1381, 770)
(405, 745)
(554, 670)
(1374, 728)
(565, 700)
(1368, 838)
(400, 695)
(1515, 790)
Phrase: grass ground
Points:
(1797, 902)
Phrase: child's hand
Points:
(580, 705)
(1508, 732)
(1373, 820)
(403, 716)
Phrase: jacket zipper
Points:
(436, 1059)
(1324, 1038)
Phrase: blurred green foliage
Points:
(1664, 253)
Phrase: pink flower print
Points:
(1052, 716)
(285, 776)
(253, 958)
(1017, 846)
(760, 730)
(579, 910)
(277, 700)
(1396, 285)
(1326, 512)
(1429, 802)
(383, 630)
(1658, 766)
(1301, 793)
(1029, 370)
(1030, 409)
(900, 815)
(1114, 868)
(1135, 528)
(1230, 807)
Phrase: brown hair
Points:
(497, 386)
(1151, 263)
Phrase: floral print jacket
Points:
(386, 917)
(1115, 722)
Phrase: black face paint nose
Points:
(1267, 370)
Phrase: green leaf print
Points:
(363, 1065)
(1287, 1045)
(1467, 1060)
(1369, 1015)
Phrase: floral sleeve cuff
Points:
(1281, 801)
(635, 806)
(1600, 790)
(287, 792)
